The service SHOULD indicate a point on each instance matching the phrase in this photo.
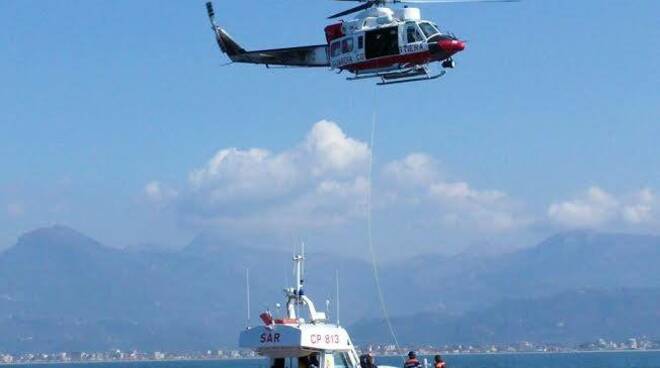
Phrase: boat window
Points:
(308, 361)
(340, 360)
(361, 42)
(413, 34)
(335, 49)
(428, 29)
(297, 362)
(347, 45)
(278, 363)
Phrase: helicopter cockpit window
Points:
(347, 45)
(413, 34)
(335, 49)
(428, 29)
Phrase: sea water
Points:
(536, 360)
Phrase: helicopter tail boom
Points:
(303, 56)
(227, 44)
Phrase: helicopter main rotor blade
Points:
(366, 4)
(383, 2)
(452, 1)
(358, 8)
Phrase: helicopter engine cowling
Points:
(334, 31)
(408, 14)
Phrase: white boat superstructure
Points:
(303, 338)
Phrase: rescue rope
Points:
(374, 262)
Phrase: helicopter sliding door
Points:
(381, 42)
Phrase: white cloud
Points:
(320, 185)
(232, 174)
(594, 208)
(640, 211)
(461, 191)
(159, 193)
(597, 208)
(314, 183)
(455, 203)
(415, 169)
(333, 151)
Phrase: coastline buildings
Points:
(631, 344)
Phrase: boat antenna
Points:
(247, 294)
(302, 265)
(298, 269)
(337, 297)
(327, 307)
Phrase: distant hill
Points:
(567, 318)
(564, 262)
(62, 291)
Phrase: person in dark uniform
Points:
(412, 361)
(314, 361)
(368, 361)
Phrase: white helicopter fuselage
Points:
(382, 39)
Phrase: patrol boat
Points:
(296, 342)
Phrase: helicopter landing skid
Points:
(404, 76)
(422, 77)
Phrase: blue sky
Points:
(554, 105)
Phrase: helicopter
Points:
(394, 45)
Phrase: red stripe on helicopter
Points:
(385, 61)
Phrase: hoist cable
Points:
(374, 262)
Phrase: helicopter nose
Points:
(451, 46)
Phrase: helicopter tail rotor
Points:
(211, 13)
(226, 43)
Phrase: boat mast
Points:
(296, 295)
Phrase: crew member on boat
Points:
(368, 361)
(439, 363)
(313, 361)
(412, 361)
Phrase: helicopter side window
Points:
(347, 45)
(382, 42)
(360, 42)
(335, 49)
(413, 34)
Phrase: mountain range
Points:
(63, 291)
